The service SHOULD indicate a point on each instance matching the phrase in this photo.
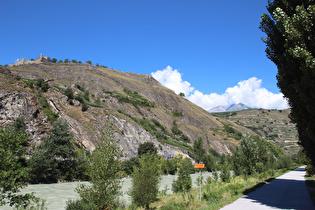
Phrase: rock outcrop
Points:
(17, 100)
(139, 107)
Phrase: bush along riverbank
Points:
(215, 193)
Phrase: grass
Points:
(215, 195)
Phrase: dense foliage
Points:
(13, 170)
(183, 183)
(255, 155)
(105, 174)
(56, 158)
(290, 30)
(199, 151)
(145, 148)
(145, 181)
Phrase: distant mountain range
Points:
(231, 108)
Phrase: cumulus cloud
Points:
(172, 79)
(249, 92)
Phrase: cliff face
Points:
(138, 106)
(16, 100)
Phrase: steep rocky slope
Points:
(273, 125)
(138, 106)
(16, 100)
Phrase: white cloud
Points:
(249, 92)
(173, 80)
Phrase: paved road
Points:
(288, 191)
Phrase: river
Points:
(56, 195)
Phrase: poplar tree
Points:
(145, 181)
(290, 44)
(105, 173)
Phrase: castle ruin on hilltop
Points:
(41, 59)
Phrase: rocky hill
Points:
(138, 106)
(273, 125)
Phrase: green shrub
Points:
(56, 157)
(146, 148)
(128, 165)
(46, 109)
(105, 171)
(184, 182)
(84, 107)
(209, 180)
(213, 196)
(215, 175)
(253, 155)
(177, 114)
(40, 84)
(86, 95)
(98, 101)
(54, 60)
(80, 204)
(310, 170)
(145, 181)
(228, 129)
(13, 172)
(79, 87)
(60, 88)
(79, 98)
(225, 174)
(69, 93)
(236, 188)
(175, 129)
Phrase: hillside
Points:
(273, 125)
(138, 106)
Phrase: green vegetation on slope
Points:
(39, 87)
(273, 125)
(160, 132)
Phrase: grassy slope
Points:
(273, 125)
(195, 121)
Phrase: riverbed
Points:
(56, 195)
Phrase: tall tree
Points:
(290, 44)
(105, 171)
(252, 156)
(199, 151)
(13, 173)
(145, 181)
(55, 158)
(146, 147)
(183, 183)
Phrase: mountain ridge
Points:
(232, 107)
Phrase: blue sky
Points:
(206, 47)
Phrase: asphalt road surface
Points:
(288, 191)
